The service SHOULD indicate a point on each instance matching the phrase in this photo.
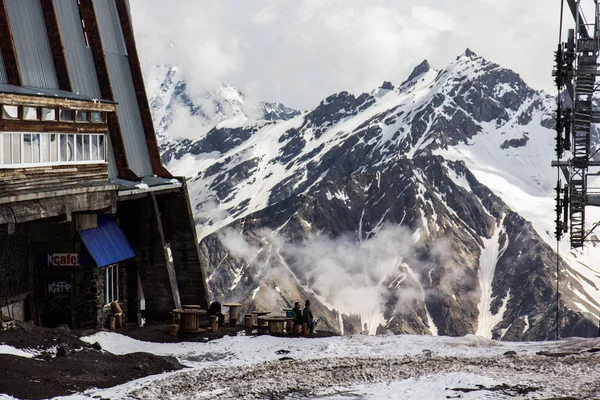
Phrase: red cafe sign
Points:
(63, 259)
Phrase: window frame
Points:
(73, 113)
(85, 121)
(111, 283)
(19, 112)
(96, 152)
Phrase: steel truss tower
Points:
(577, 119)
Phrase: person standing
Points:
(298, 317)
(309, 318)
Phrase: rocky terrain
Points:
(419, 208)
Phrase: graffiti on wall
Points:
(58, 300)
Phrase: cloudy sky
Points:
(300, 51)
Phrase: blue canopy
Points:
(107, 243)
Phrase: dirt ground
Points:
(48, 375)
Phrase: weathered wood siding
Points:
(180, 233)
(14, 181)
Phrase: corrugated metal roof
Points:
(29, 91)
(130, 118)
(3, 77)
(80, 60)
(110, 27)
(31, 43)
(107, 243)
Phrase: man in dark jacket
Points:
(308, 317)
(298, 317)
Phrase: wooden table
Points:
(190, 319)
(260, 313)
(275, 322)
(233, 309)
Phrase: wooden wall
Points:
(139, 222)
(180, 232)
(14, 181)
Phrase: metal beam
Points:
(578, 17)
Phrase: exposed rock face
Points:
(403, 206)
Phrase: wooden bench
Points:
(260, 313)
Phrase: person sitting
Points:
(309, 318)
(215, 309)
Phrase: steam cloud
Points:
(353, 276)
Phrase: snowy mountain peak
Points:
(419, 70)
(470, 53)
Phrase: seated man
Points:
(215, 309)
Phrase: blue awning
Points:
(107, 243)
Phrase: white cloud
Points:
(433, 18)
(299, 52)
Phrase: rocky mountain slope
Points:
(424, 208)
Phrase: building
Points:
(88, 214)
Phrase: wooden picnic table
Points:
(190, 319)
(233, 309)
(275, 322)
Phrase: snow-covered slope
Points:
(383, 367)
(460, 157)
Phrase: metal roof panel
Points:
(31, 43)
(80, 61)
(107, 243)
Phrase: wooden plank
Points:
(140, 91)
(168, 258)
(13, 181)
(54, 102)
(56, 46)
(9, 125)
(7, 46)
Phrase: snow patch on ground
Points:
(6, 349)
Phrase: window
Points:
(67, 115)
(111, 284)
(97, 117)
(18, 149)
(30, 113)
(10, 112)
(48, 114)
(83, 116)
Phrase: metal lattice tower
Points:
(576, 70)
